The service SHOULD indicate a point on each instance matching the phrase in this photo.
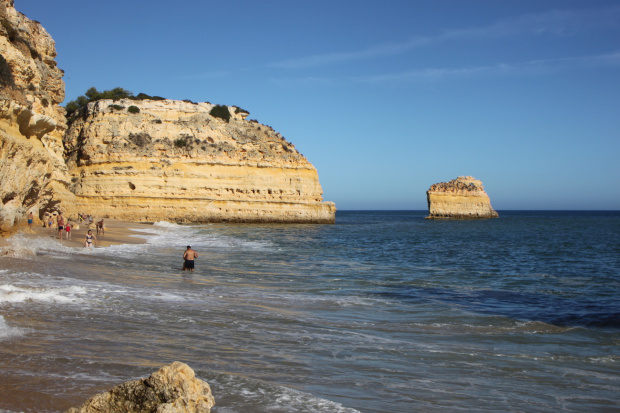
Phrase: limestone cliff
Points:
(140, 160)
(33, 174)
(150, 160)
(463, 197)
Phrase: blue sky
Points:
(385, 98)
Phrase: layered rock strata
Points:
(461, 198)
(151, 160)
(145, 160)
(172, 389)
(33, 174)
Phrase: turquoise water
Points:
(382, 312)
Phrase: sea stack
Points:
(460, 198)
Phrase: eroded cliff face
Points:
(151, 160)
(33, 174)
(463, 197)
(143, 160)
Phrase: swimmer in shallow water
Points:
(189, 257)
(89, 239)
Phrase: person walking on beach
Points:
(61, 224)
(68, 230)
(30, 219)
(100, 227)
(50, 223)
(189, 256)
(89, 239)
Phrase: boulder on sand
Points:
(172, 389)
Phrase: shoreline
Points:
(117, 232)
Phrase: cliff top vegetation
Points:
(93, 94)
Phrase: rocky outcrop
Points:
(462, 198)
(172, 389)
(151, 160)
(138, 160)
(32, 170)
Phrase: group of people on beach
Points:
(60, 224)
(57, 221)
(89, 239)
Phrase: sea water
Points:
(381, 312)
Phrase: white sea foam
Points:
(249, 394)
(166, 224)
(171, 235)
(19, 246)
(16, 294)
(7, 331)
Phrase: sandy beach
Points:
(116, 232)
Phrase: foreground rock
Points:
(461, 198)
(152, 160)
(172, 389)
(32, 169)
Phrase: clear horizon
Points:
(383, 98)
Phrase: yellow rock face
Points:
(462, 198)
(32, 170)
(173, 160)
(136, 160)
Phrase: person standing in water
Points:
(30, 219)
(189, 256)
(89, 239)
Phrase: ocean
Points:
(382, 312)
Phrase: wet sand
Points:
(116, 232)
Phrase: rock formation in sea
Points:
(33, 173)
(172, 389)
(461, 198)
(139, 160)
(151, 160)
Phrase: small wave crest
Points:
(238, 394)
(16, 294)
(19, 246)
(7, 331)
(200, 237)
(166, 224)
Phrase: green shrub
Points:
(239, 110)
(93, 94)
(133, 109)
(180, 143)
(220, 111)
(117, 107)
(71, 107)
(144, 96)
(117, 93)
(141, 139)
